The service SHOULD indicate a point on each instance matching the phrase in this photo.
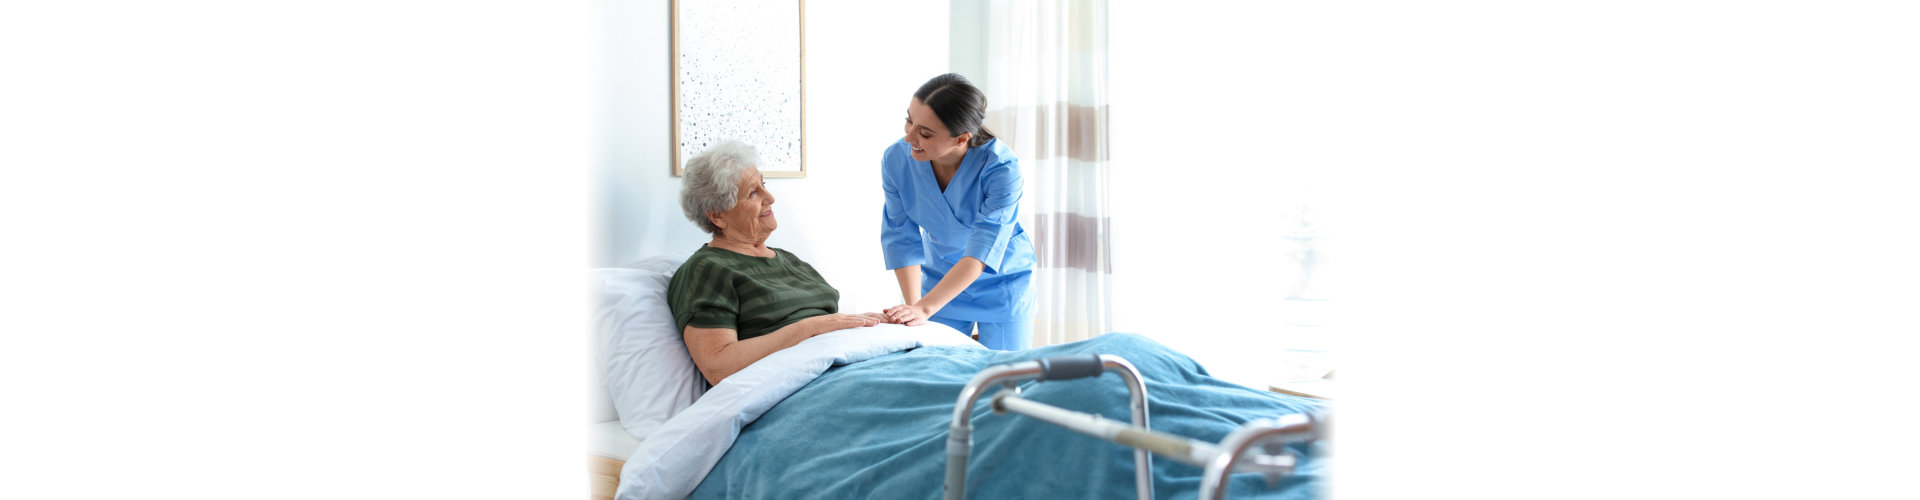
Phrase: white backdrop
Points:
(1648, 250)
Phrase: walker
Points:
(1235, 453)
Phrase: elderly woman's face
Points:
(928, 136)
(751, 217)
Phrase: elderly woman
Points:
(736, 300)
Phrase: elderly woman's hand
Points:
(835, 322)
(908, 314)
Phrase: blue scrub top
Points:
(977, 216)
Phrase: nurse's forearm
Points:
(956, 280)
(909, 277)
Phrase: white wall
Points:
(1210, 166)
(863, 61)
(635, 188)
(967, 47)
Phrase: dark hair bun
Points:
(960, 106)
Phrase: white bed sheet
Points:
(610, 439)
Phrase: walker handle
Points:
(1071, 367)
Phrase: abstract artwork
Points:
(738, 74)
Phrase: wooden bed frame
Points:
(603, 474)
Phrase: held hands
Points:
(908, 314)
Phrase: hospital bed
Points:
(867, 413)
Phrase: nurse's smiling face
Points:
(928, 137)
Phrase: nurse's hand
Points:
(908, 314)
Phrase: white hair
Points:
(711, 181)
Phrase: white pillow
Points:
(649, 375)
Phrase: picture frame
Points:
(739, 72)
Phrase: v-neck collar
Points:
(965, 158)
(954, 197)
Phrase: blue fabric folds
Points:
(878, 429)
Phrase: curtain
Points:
(1046, 82)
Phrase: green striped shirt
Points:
(754, 296)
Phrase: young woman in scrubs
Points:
(950, 230)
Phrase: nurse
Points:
(950, 230)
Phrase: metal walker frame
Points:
(1221, 460)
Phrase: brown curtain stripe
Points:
(1083, 128)
(1086, 240)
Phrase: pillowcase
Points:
(649, 375)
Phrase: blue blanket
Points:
(878, 429)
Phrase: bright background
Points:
(1647, 249)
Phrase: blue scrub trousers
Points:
(1012, 336)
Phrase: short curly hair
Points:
(711, 181)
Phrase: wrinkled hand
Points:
(835, 322)
(908, 314)
(878, 317)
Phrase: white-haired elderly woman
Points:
(736, 300)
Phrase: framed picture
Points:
(739, 73)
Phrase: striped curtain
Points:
(1046, 80)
